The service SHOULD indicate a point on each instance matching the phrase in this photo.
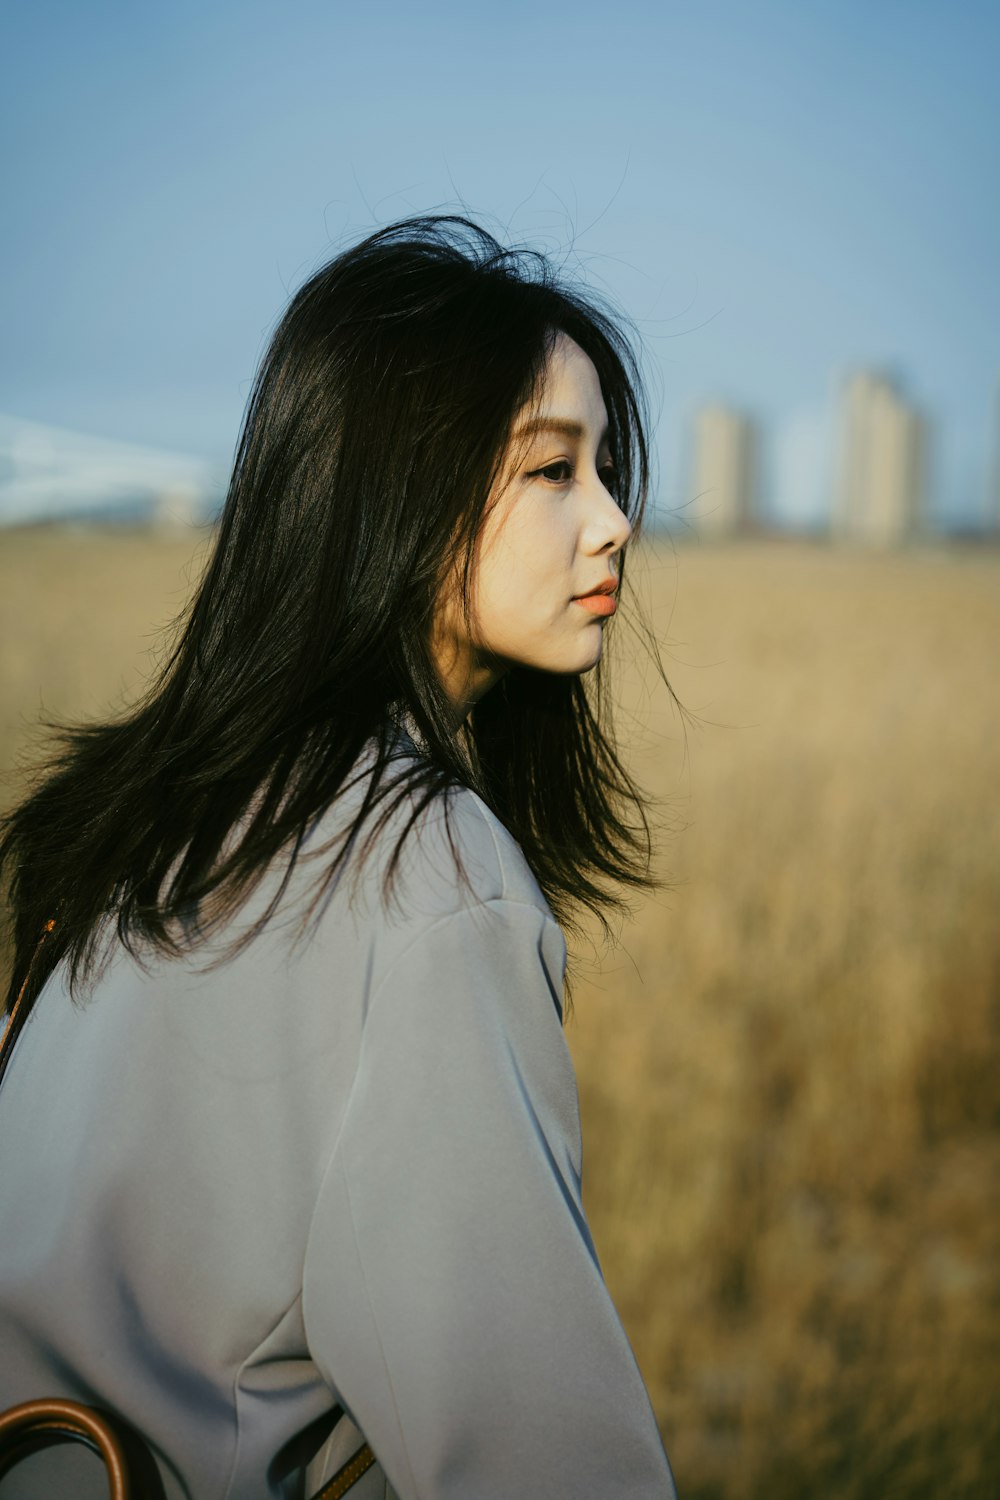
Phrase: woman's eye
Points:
(559, 472)
(609, 478)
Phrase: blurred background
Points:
(789, 1068)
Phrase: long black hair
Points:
(376, 428)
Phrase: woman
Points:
(291, 1140)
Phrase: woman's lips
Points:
(598, 604)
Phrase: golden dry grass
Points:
(789, 1074)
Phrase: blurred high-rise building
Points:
(993, 471)
(723, 471)
(881, 471)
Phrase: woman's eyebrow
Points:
(563, 425)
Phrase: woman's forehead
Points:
(569, 400)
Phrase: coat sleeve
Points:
(452, 1295)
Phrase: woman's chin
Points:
(587, 660)
(562, 659)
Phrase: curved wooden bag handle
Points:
(24, 1429)
(132, 1473)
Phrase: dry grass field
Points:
(790, 1069)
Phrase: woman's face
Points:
(542, 584)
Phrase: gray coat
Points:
(329, 1187)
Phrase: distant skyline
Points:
(776, 194)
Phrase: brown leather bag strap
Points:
(348, 1475)
(15, 1020)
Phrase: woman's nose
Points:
(608, 528)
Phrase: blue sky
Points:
(775, 192)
